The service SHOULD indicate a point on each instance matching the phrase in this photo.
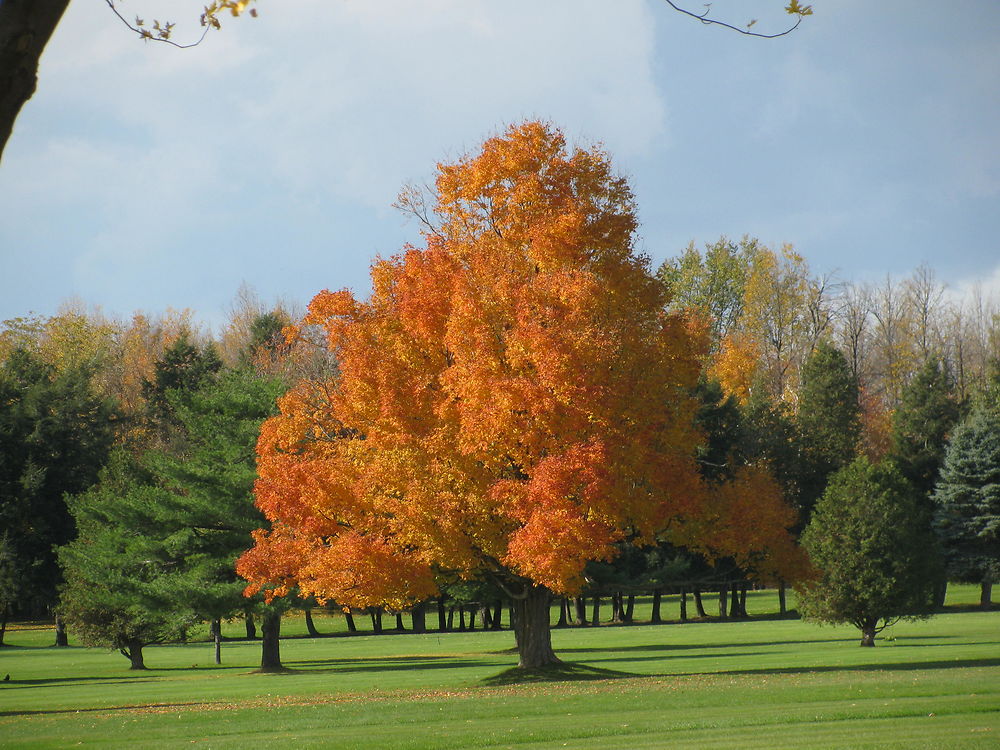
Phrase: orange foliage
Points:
(511, 399)
(747, 519)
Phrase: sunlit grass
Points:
(757, 683)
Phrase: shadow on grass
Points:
(559, 672)
(385, 664)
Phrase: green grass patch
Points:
(762, 683)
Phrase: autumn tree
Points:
(870, 541)
(511, 402)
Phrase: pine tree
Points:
(967, 517)
(869, 539)
(828, 422)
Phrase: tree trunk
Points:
(782, 605)
(581, 611)
(351, 625)
(310, 625)
(251, 626)
(216, 630)
(531, 629)
(986, 594)
(940, 594)
(461, 618)
(498, 615)
(270, 645)
(418, 618)
(61, 638)
(629, 613)
(3, 624)
(399, 623)
(743, 601)
(655, 617)
(563, 620)
(868, 632)
(25, 28)
(734, 603)
(684, 605)
(133, 652)
(597, 611)
(617, 614)
(442, 614)
(375, 614)
(723, 596)
(699, 605)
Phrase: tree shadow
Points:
(558, 672)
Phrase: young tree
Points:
(870, 541)
(511, 403)
(967, 518)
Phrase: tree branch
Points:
(703, 17)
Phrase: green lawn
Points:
(760, 683)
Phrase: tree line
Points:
(521, 410)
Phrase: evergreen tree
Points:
(183, 368)
(967, 517)
(55, 434)
(119, 591)
(205, 513)
(828, 422)
(922, 424)
(869, 540)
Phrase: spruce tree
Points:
(967, 498)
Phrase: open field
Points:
(751, 684)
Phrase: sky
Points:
(144, 177)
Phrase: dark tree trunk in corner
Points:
(270, 645)
(531, 629)
(25, 28)
(133, 652)
(61, 638)
(868, 631)
(986, 594)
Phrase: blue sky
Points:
(142, 177)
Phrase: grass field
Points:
(762, 683)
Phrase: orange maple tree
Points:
(511, 401)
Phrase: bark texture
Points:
(25, 28)
(531, 629)
(270, 647)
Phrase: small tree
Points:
(967, 517)
(870, 541)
